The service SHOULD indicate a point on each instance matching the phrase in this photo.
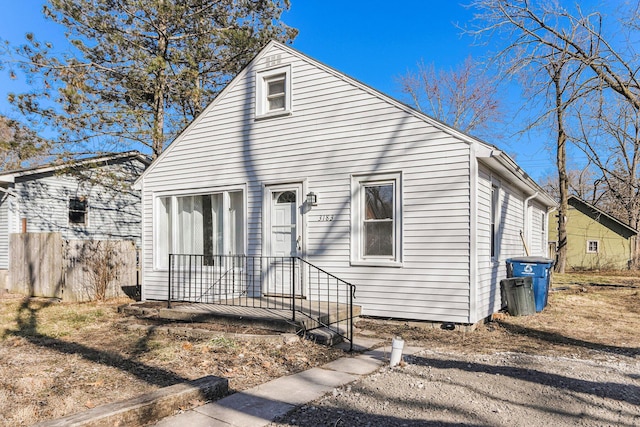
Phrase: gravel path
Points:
(505, 389)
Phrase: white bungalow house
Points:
(296, 159)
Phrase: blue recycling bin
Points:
(539, 269)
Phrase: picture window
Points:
(202, 224)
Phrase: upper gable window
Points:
(273, 92)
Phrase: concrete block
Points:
(146, 408)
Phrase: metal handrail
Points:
(244, 282)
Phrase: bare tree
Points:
(465, 98)
(611, 140)
(599, 58)
(555, 69)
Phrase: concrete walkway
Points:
(262, 404)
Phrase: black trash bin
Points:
(539, 269)
(517, 294)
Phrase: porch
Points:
(286, 294)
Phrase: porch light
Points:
(312, 199)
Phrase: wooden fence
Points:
(46, 265)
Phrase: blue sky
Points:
(373, 41)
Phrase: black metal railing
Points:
(311, 296)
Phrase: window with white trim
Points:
(495, 203)
(202, 224)
(78, 211)
(592, 246)
(376, 223)
(273, 92)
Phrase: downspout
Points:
(525, 222)
(546, 249)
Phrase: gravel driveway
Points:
(505, 389)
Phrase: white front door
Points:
(284, 238)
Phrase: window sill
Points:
(273, 115)
(377, 263)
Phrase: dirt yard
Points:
(59, 359)
(576, 363)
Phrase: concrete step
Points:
(324, 336)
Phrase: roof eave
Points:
(500, 162)
(12, 175)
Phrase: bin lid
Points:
(531, 259)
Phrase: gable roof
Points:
(494, 157)
(10, 176)
(602, 217)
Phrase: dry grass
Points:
(59, 359)
(594, 316)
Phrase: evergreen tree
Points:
(139, 70)
(20, 147)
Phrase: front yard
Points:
(58, 358)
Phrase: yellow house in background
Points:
(596, 240)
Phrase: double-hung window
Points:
(592, 246)
(376, 220)
(276, 95)
(201, 224)
(78, 211)
(273, 92)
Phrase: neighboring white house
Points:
(419, 216)
(87, 199)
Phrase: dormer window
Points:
(273, 92)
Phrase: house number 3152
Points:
(325, 218)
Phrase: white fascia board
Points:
(504, 165)
(10, 177)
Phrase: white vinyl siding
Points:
(4, 230)
(338, 130)
(490, 271)
(112, 213)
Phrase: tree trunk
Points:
(157, 137)
(563, 179)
